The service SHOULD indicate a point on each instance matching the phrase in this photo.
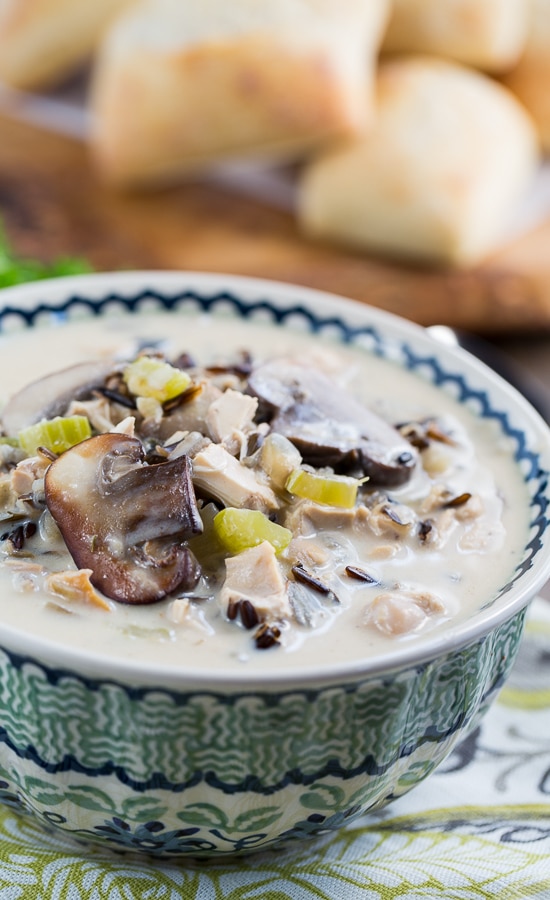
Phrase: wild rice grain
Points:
(302, 574)
(249, 616)
(267, 636)
(361, 575)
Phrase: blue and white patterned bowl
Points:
(170, 763)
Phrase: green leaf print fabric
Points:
(479, 827)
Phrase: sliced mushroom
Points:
(329, 426)
(125, 520)
(49, 396)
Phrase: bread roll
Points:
(487, 34)
(438, 176)
(530, 80)
(179, 84)
(41, 41)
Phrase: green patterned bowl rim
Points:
(411, 346)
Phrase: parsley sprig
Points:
(15, 270)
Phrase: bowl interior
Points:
(295, 313)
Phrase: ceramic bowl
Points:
(165, 762)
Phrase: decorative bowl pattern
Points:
(188, 768)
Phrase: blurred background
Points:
(392, 151)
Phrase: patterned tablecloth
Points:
(477, 828)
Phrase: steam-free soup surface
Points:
(407, 561)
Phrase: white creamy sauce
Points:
(455, 576)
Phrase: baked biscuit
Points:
(42, 41)
(438, 176)
(180, 84)
(530, 80)
(486, 34)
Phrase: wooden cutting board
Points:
(52, 205)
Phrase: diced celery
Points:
(150, 377)
(11, 442)
(57, 434)
(279, 457)
(239, 529)
(330, 490)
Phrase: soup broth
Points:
(404, 560)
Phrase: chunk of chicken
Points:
(189, 416)
(231, 413)
(305, 518)
(256, 575)
(126, 426)
(446, 510)
(391, 520)
(223, 477)
(26, 473)
(307, 552)
(76, 586)
(99, 413)
(402, 610)
(8, 497)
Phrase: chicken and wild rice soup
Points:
(226, 495)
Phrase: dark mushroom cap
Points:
(125, 520)
(329, 426)
(49, 396)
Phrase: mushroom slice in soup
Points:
(125, 520)
(329, 426)
(50, 395)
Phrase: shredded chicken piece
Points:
(306, 551)
(390, 519)
(76, 586)
(189, 416)
(186, 444)
(438, 527)
(402, 610)
(174, 439)
(443, 517)
(8, 497)
(223, 477)
(437, 460)
(472, 509)
(99, 413)
(383, 551)
(230, 414)
(178, 610)
(305, 518)
(24, 565)
(436, 499)
(256, 575)
(27, 472)
(126, 426)
(182, 612)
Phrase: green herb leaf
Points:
(14, 270)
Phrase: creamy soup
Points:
(241, 497)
